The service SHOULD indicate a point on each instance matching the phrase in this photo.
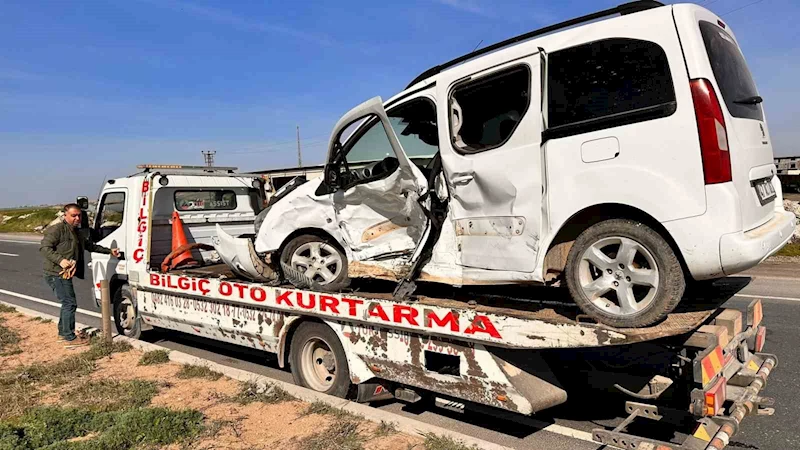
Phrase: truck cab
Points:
(202, 197)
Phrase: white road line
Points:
(48, 302)
(20, 242)
(767, 297)
(8, 254)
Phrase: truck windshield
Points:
(730, 69)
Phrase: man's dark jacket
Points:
(62, 241)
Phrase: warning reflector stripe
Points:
(712, 365)
(702, 434)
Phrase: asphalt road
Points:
(777, 284)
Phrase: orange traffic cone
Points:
(181, 254)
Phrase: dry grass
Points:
(250, 392)
(154, 357)
(195, 371)
(436, 442)
(790, 250)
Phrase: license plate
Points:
(765, 191)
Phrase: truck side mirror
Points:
(83, 202)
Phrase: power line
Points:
(743, 7)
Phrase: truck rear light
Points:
(715, 397)
(761, 337)
(712, 131)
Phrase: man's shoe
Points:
(62, 339)
(77, 342)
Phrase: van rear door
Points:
(712, 53)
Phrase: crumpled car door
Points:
(381, 217)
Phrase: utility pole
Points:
(208, 157)
(299, 154)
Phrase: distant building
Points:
(789, 172)
(276, 178)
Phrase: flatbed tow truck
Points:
(700, 371)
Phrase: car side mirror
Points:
(332, 179)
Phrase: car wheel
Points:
(624, 274)
(319, 260)
(125, 317)
(318, 361)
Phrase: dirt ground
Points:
(283, 424)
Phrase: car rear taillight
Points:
(715, 397)
(713, 134)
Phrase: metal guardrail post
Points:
(105, 306)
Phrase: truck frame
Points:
(484, 350)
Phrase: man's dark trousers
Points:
(66, 295)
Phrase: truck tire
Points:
(320, 260)
(318, 361)
(125, 315)
(624, 274)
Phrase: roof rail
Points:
(183, 168)
(624, 9)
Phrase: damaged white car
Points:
(618, 164)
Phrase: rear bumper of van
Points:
(743, 250)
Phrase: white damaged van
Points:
(625, 156)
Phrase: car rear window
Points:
(730, 70)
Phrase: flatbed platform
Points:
(528, 304)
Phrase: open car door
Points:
(375, 186)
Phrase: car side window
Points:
(485, 112)
(607, 83)
(110, 214)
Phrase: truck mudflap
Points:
(729, 375)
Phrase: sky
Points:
(90, 89)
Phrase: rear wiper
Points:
(754, 100)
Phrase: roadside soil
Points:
(228, 422)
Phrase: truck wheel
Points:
(623, 274)
(125, 316)
(318, 259)
(318, 361)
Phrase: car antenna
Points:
(476, 47)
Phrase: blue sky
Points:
(90, 89)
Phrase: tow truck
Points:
(700, 371)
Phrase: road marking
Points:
(767, 297)
(20, 242)
(48, 302)
(8, 254)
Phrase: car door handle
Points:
(463, 179)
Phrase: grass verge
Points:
(321, 408)
(7, 309)
(8, 338)
(195, 371)
(436, 442)
(25, 219)
(790, 250)
(154, 357)
(112, 395)
(20, 387)
(57, 428)
(340, 435)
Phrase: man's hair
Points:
(69, 206)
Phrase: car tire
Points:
(308, 254)
(624, 274)
(124, 307)
(318, 361)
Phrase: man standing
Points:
(62, 248)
